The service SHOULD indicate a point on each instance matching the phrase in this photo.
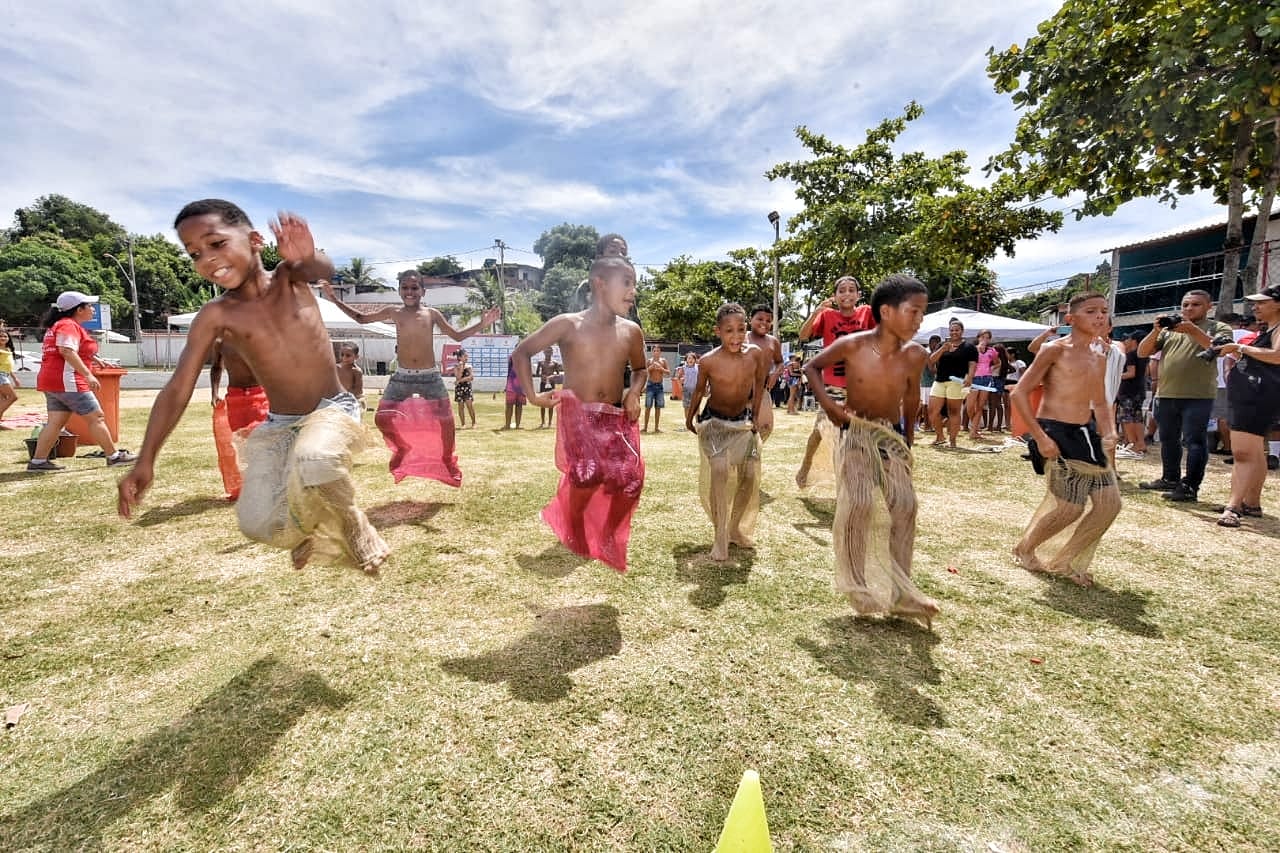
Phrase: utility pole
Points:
(775, 219)
(132, 278)
(502, 280)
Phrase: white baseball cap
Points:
(73, 298)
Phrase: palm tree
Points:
(356, 274)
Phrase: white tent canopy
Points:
(334, 321)
(1001, 328)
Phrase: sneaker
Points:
(1273, 462)
(1127, 452)
(121, 457)
(1161, 485)
(1182, 494)
(46, 465)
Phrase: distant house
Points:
(1151, 277)
(437, 292)
(516, 276)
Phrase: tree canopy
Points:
(445, 265)
(1124, 99)
(565, 242)
(869, 211)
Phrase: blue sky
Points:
(408, 130)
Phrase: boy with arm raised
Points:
(297, 491)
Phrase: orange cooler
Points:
(108, 398)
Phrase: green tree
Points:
(680, 300)
(567, 242)
(445, 265)
(560, 288)
(57, 214)
(33, 271)
(1124, 99)
(870, 211)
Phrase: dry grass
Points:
(190, 691)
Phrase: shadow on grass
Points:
(1123, 609)
(203, 757)
(189, 507)
(556, 561)
(397, 513)
(894, 655)
(536, 667)
(694, 565)
(823, 511)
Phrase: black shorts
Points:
(1078, 442)
(1253, 409)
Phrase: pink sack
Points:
(420, 435)
(598, 451)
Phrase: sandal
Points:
(1246, 510)
(1230, 518)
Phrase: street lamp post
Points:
(132, 278)
(777, 234)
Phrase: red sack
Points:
(598, 451)
(246, 408)
(420, 435)
(228, 461)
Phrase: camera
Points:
(1170, 322)
(1215, 348)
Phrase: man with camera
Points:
(1188, 385)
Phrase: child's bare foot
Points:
(1028, 560)
(1064, 570)
(802, 478)
(374, 562)
(741, 539)
(301, 553)
(921, 610)
(719, 552)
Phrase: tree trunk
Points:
(1235, 217)
(1259, 245)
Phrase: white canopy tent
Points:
(1001, 328)
(334, 321)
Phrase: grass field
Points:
(189, 691)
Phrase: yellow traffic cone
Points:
(746, 830)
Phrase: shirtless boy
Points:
(882, 371)
(350, 375)
(416, 369)
(597, 345)
(548, 371)
(731, 378)
(837, 316)
(298, 492)
(1067, 446)
(768, 350)
(656, 368)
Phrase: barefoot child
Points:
(731, 378)
(654, 396)
(238, 410)
(463, 377)
(297, 490)
(598, 439)
(414, 414)
(875, 525)
(350, 376)
(836, 316)
(1067, 448)
(769, 351)
(548, 375)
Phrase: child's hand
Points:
(132, 487)
(293, 237)
(688, 424)
(327, 289)
(547, 400)
(1048, 447)
(490, 317)
(631, 405)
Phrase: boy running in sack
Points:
(297, 491)
(769, 351)
(598, 438)
(414, 414)
(1066, 447)
(837, 316)
(731, 378)
(875, 525)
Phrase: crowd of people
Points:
(297, 413)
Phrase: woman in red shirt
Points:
(67, 382)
